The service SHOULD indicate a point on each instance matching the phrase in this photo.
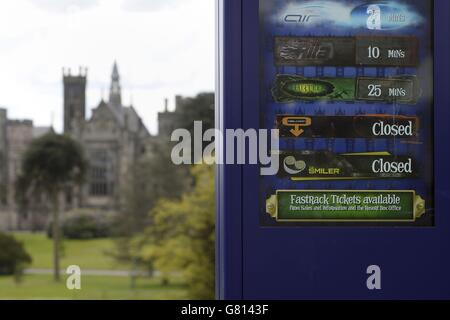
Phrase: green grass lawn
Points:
(88, 254)
(42, 287)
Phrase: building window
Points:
(101, 176)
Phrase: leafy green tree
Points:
(151, 179)
(182, 236)
(51, 163)
(13, 257)
(198, 108)
(156, 177)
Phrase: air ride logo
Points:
(306, 14)
(376, 15)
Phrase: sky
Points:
(162, 48)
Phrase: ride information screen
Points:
(349, 85)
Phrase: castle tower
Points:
(115, 95)
(74, 99)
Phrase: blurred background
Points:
(91, 91)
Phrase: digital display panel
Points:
(349, 86)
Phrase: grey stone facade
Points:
(113, 138)
(15, 137)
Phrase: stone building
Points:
(15, 137)
(113, 139)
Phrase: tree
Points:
(51, 163)
(155, 176)
(13, 257)
(198, 108)
(182, 236)
(150, 179)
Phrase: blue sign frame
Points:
(254, 262)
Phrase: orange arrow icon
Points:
(297, 131)
(297, 123)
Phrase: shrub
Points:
(13, 257)
(182, 237)
(85, 224)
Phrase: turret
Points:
(74, 98)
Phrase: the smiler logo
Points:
(235, 146)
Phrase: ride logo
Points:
(349, 127)
(326, 165)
